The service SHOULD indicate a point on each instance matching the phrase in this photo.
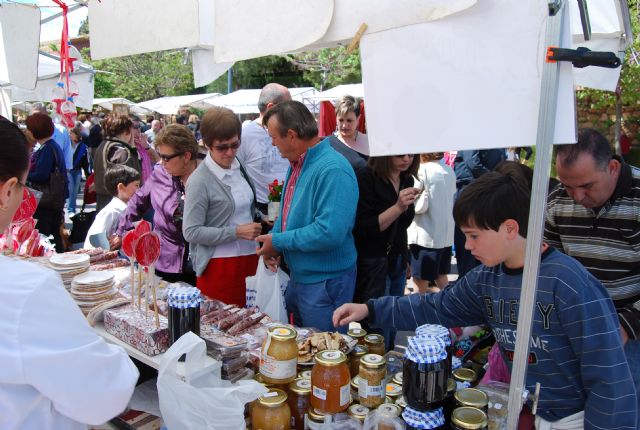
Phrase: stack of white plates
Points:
(69, 266)
(92, 288)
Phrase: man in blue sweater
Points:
(575, 349)
(317, 213)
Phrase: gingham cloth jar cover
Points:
(427, 420)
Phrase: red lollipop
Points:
(142, 228)
(148, 249)
(25, 229)
(27, 208)
(129, 244)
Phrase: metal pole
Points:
(230, 80)
(542, 168)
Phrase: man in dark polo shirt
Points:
(593, 215)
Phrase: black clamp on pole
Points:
(583, 57)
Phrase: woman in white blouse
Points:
(55, 371)
(219, 213)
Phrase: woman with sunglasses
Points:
(385, 210)
(57, 373)
(164, 193)
(219, 213)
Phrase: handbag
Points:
(81, 224)
(53, 191)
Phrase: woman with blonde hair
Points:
(347, 140)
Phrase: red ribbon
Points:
(66, 63)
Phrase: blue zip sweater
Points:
(318, 243)
(575, 351)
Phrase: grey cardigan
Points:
(208, 206)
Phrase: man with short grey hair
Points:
(260, 158)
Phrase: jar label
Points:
(345, 395)
(319, 393)
(278, 369)
(365, 390)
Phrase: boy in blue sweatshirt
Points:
(575, 350)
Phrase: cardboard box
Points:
(132, 327)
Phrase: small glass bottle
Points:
(423, 420)
(375, 343)
(358, 334)
(358, 412)
(358, 352)
(472, 397)
(279, 356)
(391, 411)
(467, 418)
(465, 378)
(424, 380)
(299, 401)
(330, 382)
(371, 388)
(271, 412)
(305, 374)
(393, 391)
(314, 419)
(397, 378)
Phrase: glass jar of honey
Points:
(393, 391)
(314, 419)
(388, 410)
(465, 378)
(472, 397)
(305, 374)
(358, 352)
(299, 395)
(424, 420)
(397, 378)
(424, 380)
(375, 343)
(358, 412)
(358, 334)
(371, 388)
(271, 412)
(467, 418)
(330, 381)
(279, 356)
(355, 382)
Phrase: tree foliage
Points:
(328, 67)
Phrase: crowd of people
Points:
(354, 228)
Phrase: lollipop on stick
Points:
(128, 247)
(147, 252)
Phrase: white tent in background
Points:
(107, 103)
(333, 94)
(171, 104)
(246, 101)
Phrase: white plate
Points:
(92, 278)
(65, 260)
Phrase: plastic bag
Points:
(375, 418)
(205, 401)
(340, 422)
(269, 290)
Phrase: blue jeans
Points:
(74, 187)
(396, 282)
(632, 351)
(313, 304)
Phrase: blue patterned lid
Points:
(425, 349)
(423, 420)
(435, 330)
(183, 297)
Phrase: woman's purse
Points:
(53, 191)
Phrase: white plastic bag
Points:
(269, 291)
(206, 402)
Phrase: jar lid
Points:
(373, 360)
(435, 330)
(425, 349)
(273, 398)
(423, 420)
(360, 350)
(330, 357)
(357, 333)
(393, 389)
(469, 418)
(397, 378)
(390, 409)
(183, 297)
(451, 385)
(355, 382)
(300, 386)
(374, 338)
(402, 402)
(472, 397)
(260, 379)
(358, 411)
(315, 415)
(305, 374)
(282, 333)
(464, 374)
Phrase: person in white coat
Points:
(55, 371)
(430, 235)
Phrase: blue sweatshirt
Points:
(575, 350)
(318, 243)
(43, 164)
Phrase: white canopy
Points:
(246, 101)
(171, 104)
(333, 94)
(107, 103)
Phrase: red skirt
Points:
(224, 278)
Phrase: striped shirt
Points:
(296, 168)
(606, 241)
(575, 350)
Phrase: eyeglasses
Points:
(225, 148)
(167, 158)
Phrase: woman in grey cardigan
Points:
(219, 212)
